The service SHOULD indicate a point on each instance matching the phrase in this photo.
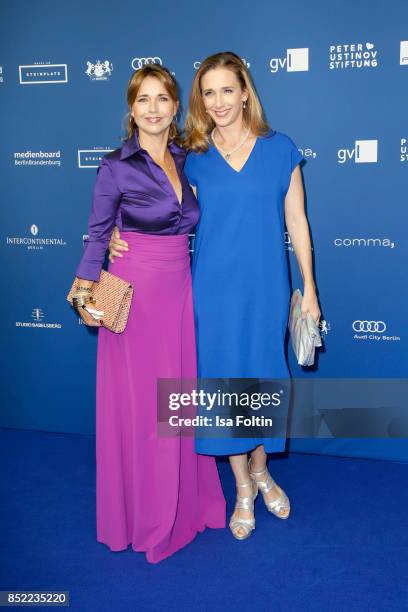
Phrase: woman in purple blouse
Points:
(153, 492)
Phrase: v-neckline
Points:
(246, 161)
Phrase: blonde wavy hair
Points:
(167, 79)
(199, 123)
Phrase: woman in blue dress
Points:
(248, 184)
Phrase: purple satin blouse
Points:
(134, 193)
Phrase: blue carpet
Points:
(344, 548)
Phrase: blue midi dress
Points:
(241, 289)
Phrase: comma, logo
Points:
(364, 151)
(296, 60)
(364, 242)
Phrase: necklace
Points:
(228, 154)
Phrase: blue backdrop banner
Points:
(333, 76)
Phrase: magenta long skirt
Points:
(152, 492)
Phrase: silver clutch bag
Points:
(304, 333)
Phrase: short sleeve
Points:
(189, 169)
(295, 155)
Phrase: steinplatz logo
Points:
(32, 243)
(404, 52)
(38, 316)
(372, 330)
(296, 60)
(139, 62)
(43, 74)
(354, 55)
(91, 158)
(100, 71)
(364, 151)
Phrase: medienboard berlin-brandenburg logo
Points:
(296, 60)
(43, 74)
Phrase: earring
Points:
(244, 104)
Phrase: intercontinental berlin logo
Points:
(296, 60)
(372, 330)
(363, 152)
(354, 55)
(32, 243)
(37, 321)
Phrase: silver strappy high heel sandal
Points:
(277, 506)
(246, 503)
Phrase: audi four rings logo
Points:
(139, 62)
(369, 326)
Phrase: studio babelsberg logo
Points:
(42, 73)
(363, 152)
(34, 243)
(372, 330)
(100, 71)
(38, 320)
(353, 55)
(295, 60)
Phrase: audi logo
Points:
(369, 326)
(139, 62)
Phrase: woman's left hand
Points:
(310, 304)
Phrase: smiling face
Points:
(153, 109)
(223, 96)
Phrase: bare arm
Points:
(298, 229)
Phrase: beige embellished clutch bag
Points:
(113, 296)
(304, 333)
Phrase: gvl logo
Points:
(100, 71)
(365, 151)
(404, 52)
(42, 74)
(296, 60)
(139, 62)
(91, 158)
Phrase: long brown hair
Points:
(199, 123)
(167, 79)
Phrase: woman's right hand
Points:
(116, 245)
